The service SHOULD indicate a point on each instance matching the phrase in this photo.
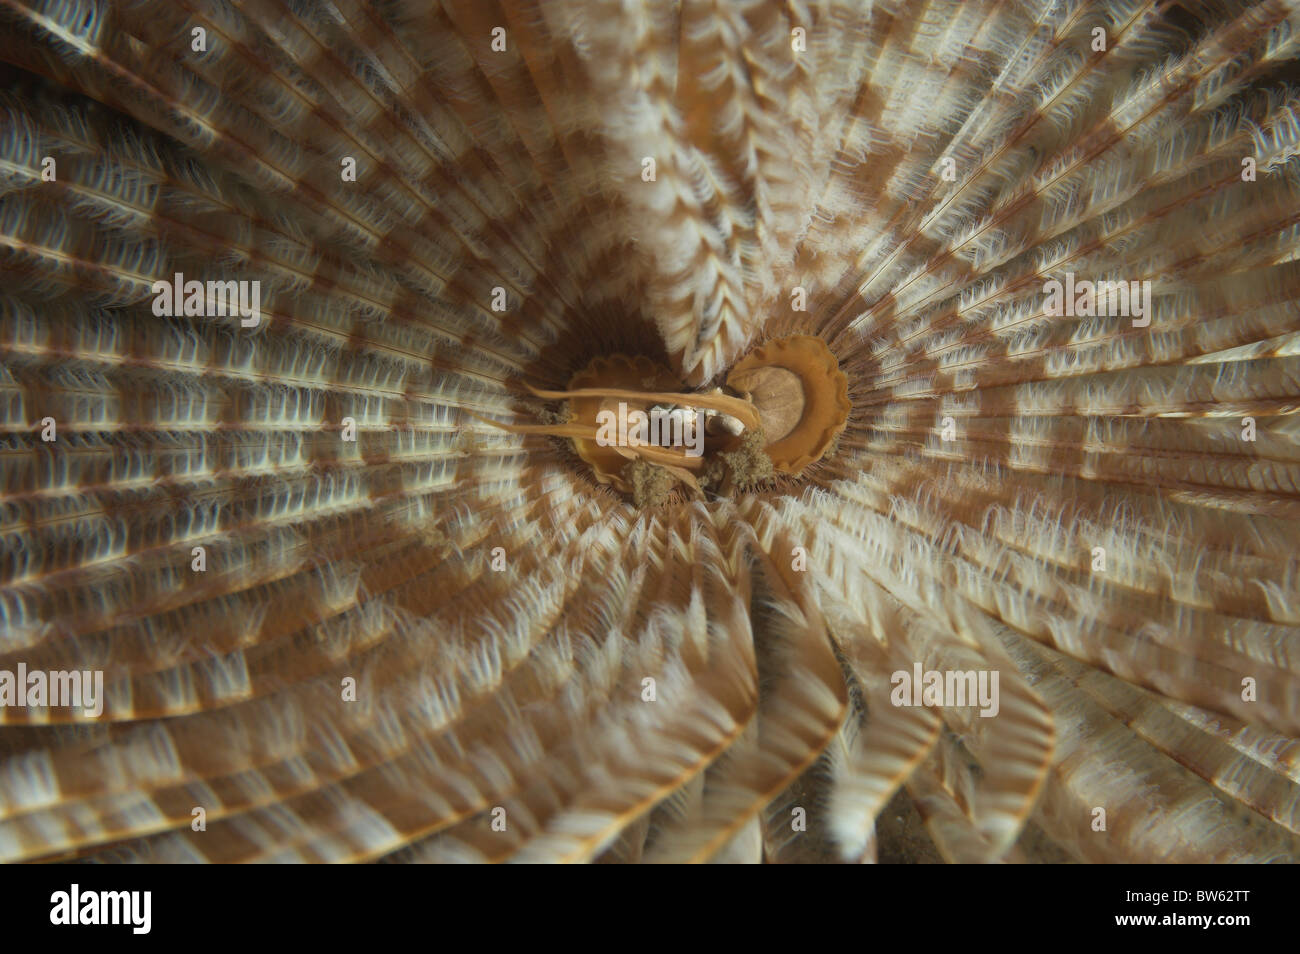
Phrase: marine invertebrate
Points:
(339, 617)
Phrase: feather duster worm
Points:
(339, 617)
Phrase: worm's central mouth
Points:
(641, 431)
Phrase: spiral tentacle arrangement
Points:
(269, 269)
